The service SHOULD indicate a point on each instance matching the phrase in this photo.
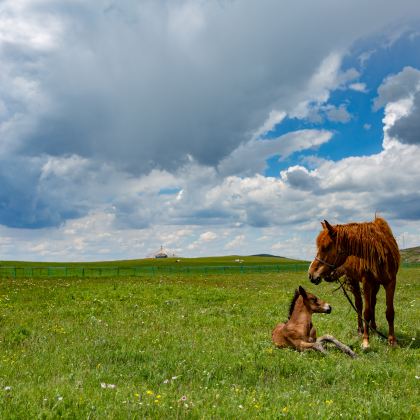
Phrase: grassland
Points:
(195, 347)
(161, 262)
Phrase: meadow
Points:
(196, 346)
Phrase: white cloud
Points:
(236, 243)
(105, 106)
(250, 158)
(358, 87)
(208, 236)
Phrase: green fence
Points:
(121, 271)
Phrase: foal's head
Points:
(313, 303)
(328, 257)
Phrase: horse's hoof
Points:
(365, 344)
(392, 341)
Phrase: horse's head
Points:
(313, 303)
(328, 257)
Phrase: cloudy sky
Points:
(209, 127)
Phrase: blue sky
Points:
(362, 134)
(207, 127)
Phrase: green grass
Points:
(156, 262)
(203, 339)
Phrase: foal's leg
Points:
(338, 344)
(312, 334)
(375, 289)
(390, 290)
(367, 292)
(305, 345)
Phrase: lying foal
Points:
(298, 332)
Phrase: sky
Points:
(209, 127)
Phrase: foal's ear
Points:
(302, 292)
(323, 225)
(331, 229)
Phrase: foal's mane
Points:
(293, 302)
(373, 242)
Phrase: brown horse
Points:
(298, 332)
(350, 271)
(377, 263)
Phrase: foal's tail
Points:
(338, 344)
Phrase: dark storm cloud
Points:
(137, 85)
(402, 206)
(407, 128)
(23, 204)
(144, 84)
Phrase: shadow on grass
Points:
(404, 341)
(407, 341)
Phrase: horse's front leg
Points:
(367, 292)
(338, 344)
(305, 345)
(390, 290)
(312, 334)
(358, 302)
(374, 291)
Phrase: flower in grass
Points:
(149, 392)
(183, 398)
(240, 406)
(59, 398)
(7, 388)
(417, 377)
(104, 385)
(329, 402)
(166, 381)
(285, 409)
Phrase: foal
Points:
(298, 332)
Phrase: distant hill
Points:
(266, 255)
(410, 255)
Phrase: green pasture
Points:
(161, 262)
(196, 346)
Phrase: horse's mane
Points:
(374, 244)
(293, 302)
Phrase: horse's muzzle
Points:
(328, 311)
(314, 280)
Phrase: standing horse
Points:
(377, 263)
(351, 272)
(298, 332)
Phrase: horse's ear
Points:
(323, 225)
(331, 229)
(302, 292)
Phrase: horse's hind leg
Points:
(390, 290)
(278, 336)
